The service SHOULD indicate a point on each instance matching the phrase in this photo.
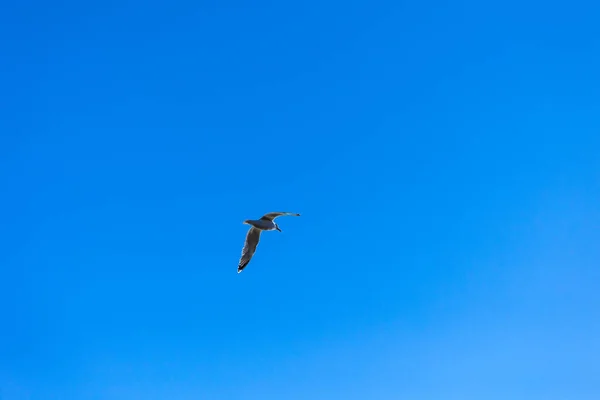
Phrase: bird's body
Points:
(265, 223)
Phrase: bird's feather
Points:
(252, 238)
(272, 215)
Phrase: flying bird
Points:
(265, 223)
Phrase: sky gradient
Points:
(445, 158)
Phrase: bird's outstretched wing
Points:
(272, 215)
(252, 239)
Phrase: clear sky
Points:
(445, 158)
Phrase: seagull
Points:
(265, 223)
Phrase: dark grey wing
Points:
(272, 215)
(252, 239)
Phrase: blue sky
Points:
(444, 157)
